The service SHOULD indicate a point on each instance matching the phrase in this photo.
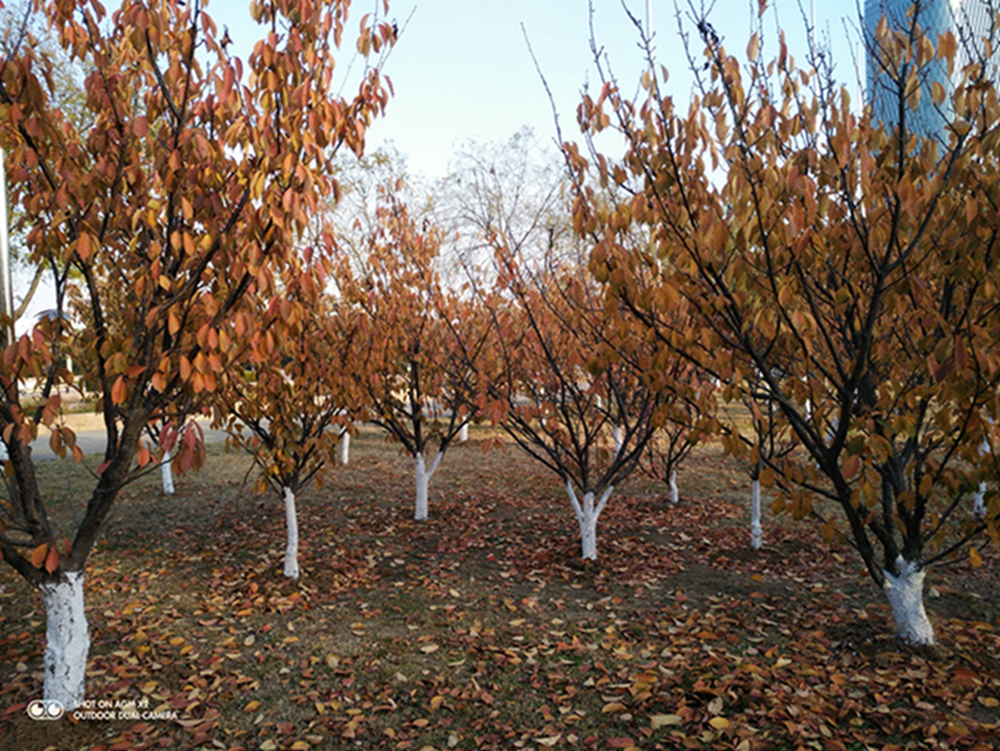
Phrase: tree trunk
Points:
(345, 447)
(167, 475)
(422, 477)
(67, 641)
(756, 531)
(587, 515)
(906, 597)
(618, 435)
(675, 495)
(979, 503)
(463, 433)
(292, 545)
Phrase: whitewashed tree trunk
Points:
(618, 434)
(166, 474)
(979, 503)
(675, 495)
(67, 641)
(906, 597)
(756, 531)
(345, 446)
(422, 477)
(587, 514)
(292, 544)
(463, 433)
(979, 499)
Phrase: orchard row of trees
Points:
(770, 247)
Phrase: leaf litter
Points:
(482, 628)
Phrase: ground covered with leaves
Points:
(483, 629)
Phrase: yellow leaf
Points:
(436, 702)
(252, 706)
(613, 708)
(658, 721)
(974, 558)
(719, 723)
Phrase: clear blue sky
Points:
(462, 69)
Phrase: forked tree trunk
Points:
(906, 597)
(345, 446)
(587, 514)
(756, 530)
(67, 641)
(675, 495)
(292, 545)
(167, 475)
(422, 478)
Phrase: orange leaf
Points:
(118, 391)
(38, 555)
(83, 246)
(974, 558)
(52, 560)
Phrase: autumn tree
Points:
(286, 404)
(852, 267)
(20, 25)
(189, 189)
(765, 442)
(408, 320)
(553, 378)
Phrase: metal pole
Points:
(6, 285)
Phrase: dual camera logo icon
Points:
(45, 709)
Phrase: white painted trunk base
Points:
(618, 434)
(906, 597)
(345, 447)
(675, 495)
(587, 514)
(167, 475)
(292, 544)
(979, 500)
(66, 641)
(422, 478)
(463, 433)
(756, 531)
(979, 503)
